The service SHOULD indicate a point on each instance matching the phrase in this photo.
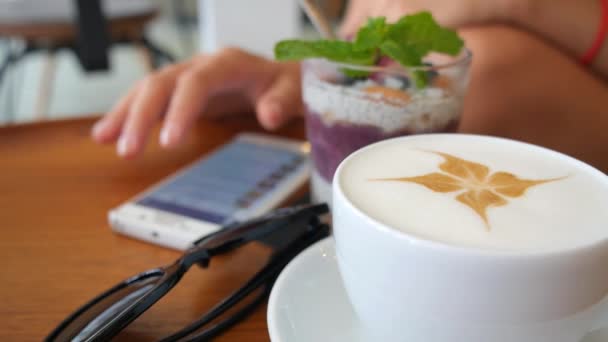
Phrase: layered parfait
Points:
(392, 80)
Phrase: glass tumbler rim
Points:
(461, 60)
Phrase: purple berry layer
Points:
(331, 144)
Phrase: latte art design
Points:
(479, 188)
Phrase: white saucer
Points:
(308, 301)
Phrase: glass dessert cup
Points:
(344, 114)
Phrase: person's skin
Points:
(525, 82)
(524, 88)
(570, 25)
(231, 81)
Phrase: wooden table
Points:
(57, 250)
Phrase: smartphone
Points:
(244, 178)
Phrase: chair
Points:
(86, 27)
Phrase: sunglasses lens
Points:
(101, 311)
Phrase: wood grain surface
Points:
(57, 250)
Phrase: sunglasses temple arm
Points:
(235, 235)
(265, 276)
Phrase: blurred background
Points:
(72, 58)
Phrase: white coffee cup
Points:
(404, 287)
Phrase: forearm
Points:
(570, 24)
(537, 95)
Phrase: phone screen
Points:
(229, 181)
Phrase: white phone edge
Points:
(179, 232)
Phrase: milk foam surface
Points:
(568, 210)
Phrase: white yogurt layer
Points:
(428, 110)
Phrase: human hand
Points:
(450, 13)
(210, 85)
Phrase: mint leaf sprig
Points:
(406, 41)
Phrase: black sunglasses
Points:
(109, 313)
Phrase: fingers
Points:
(184, 91)
(186, 104)
(281, 101)
(145, 110)
(227, 104)
(394, 10)
(108, 128)
(226, 71)
(132, 119)
(356, 14)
